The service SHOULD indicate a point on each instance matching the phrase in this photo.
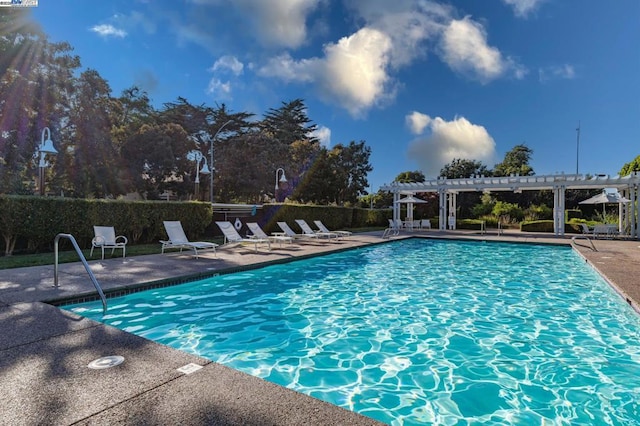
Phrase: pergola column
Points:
(631, 216)
(558, 210)
(453, 204)
(442, 218)
(396, 206)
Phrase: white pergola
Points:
(448, 190)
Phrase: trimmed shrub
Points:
(573, 214)
(37, 220)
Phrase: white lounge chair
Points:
(286, 230)
(585, 229)
(232, 236)
(306, 230)
(324, 229)
(105, 238)
(394, 227)
(178, 239)
(257, 232)
(425, 224)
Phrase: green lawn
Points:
(22, 260)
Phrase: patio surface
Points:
(44, 351)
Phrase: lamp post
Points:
(577, 146)
(46, 147)
(283, 179)
(198, 157)
(211, 197)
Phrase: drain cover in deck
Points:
(106, 362)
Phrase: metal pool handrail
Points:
(573, 239)
(84, 262)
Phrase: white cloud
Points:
(465, 49)
(417, 122)
(230, 63)
(106, 30)
(357, 71)
(409, 24)
(566, 72)
(219, 89)
(522, 8)
(449, 140)
(288, 69)
(352, 74)
(324, 135)
(278, 22)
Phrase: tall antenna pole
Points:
(578, 146)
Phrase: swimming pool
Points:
(415, 332)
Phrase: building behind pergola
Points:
(448, 189)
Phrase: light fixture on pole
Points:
(283, 179)
(46, 147)
(198, 157)
(577, 146)
(213, 169)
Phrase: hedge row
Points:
(30, 223)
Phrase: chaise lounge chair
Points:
(324, 229)
(178, 239)
(257, 232)
(232, 236)
(286, 230)
(306, 230)
(105, 238)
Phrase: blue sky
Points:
(422, 82)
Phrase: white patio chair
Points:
(306, 230)
(105, 238)
(286, 230)
(259, 233)
(232, 236)
(178, 239)
(324, 229)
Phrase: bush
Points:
(37, 220)
(481, 210)
(573, 214)
(474, 224)
(541, 212)
(547, 226)
(507, 209)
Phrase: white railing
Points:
(84, 262)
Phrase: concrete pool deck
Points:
(44, 351)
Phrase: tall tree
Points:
(129, 112)
(350, 167)
(515, 162)
(290, 123)
(632, 166)
(336, 176)
(36, 80)
(156, 158)
(408, 177)
(246, 172)
(90, 161)
(460, 168)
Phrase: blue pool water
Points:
(415, 332)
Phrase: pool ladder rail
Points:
(84, 262)
(583, 237)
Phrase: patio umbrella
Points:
(410, 200)
(605, 198)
